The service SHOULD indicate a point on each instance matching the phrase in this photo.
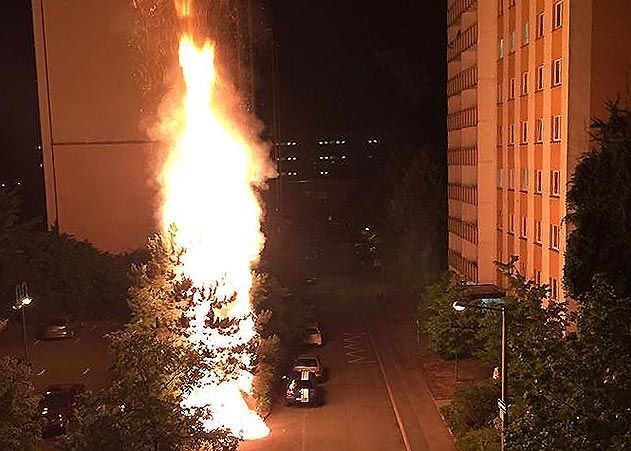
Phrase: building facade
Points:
(525, 78)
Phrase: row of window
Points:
(463, 41)
(556, 78)
(462, 119)
(557, 22)
(465, 79)
(467, 268)
(463, 229)
(462, 156)
(456, 9)
(555, 181)
(555, 132)
(463, 193)
(554, 237)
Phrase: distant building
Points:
(525, 77)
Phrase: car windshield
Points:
(306, 362)
(313, 330)
(56, 400)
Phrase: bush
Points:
(486, 439)
(267, 373)
(472, 408)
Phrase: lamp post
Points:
(22, 299)
(503, 401)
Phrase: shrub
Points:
(472, 408)
(486, 439)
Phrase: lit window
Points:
(537, 231)
(538, 182)
(540, 25)
(540, 78)
(557, 16)
(511, 88)
(513, 40)
(525, 34)
(524, 83)
(556, 128)
(501, 48)
(539, 130)
(556, 72)
(511, 134)
(524, 132)
(555, 183)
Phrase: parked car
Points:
(303, 389)
(58, 406)
(311, 364)
(56, 329)
(314, 336)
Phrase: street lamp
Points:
(22, 299)
(502, 402)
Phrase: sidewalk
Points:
(426, 381)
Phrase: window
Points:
(500, 219)
(511, 134)
(511, 88)
(511, 178)
(513, 40)
(524, 132)
(501, 48)
(524, 180)
(500, 7)
(499, 91)
(538, 182)
(525, 34)
(500, 178)
(538, 277)
(556, 128)
(499, 135)
(511, 223)
(523, 229)
(540, 78)
(538, 130)
(554, 288)
(524, 83)
(537, 231)
(540, 24)
(554, 236)
(555, 183)
(556, 72)
(557, 15)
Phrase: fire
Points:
(207, 182)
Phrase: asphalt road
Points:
(357, 414)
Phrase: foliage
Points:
(267, 373)
(472, 408)
(20, 427)
(599, 202)
(65, 276)
(450, 333)
(415, 221)
(486, 439)
(154, 368)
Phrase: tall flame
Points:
(208, 194)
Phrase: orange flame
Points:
(207, 182)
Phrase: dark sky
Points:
(345, 66)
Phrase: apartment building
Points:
(525, 77)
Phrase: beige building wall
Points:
(97, 158)
(552, 66)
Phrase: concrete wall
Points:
(98, 160)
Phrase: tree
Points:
(415, 221)
(599, 203)
(155, 367)
(20, 425)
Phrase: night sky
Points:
(345, 66)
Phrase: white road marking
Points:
(303, 444)
(41, 372)
(76, 340)
(397, 414)
(86, 371)
(354, 348)
(36, 341)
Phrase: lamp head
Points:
(27, 300)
